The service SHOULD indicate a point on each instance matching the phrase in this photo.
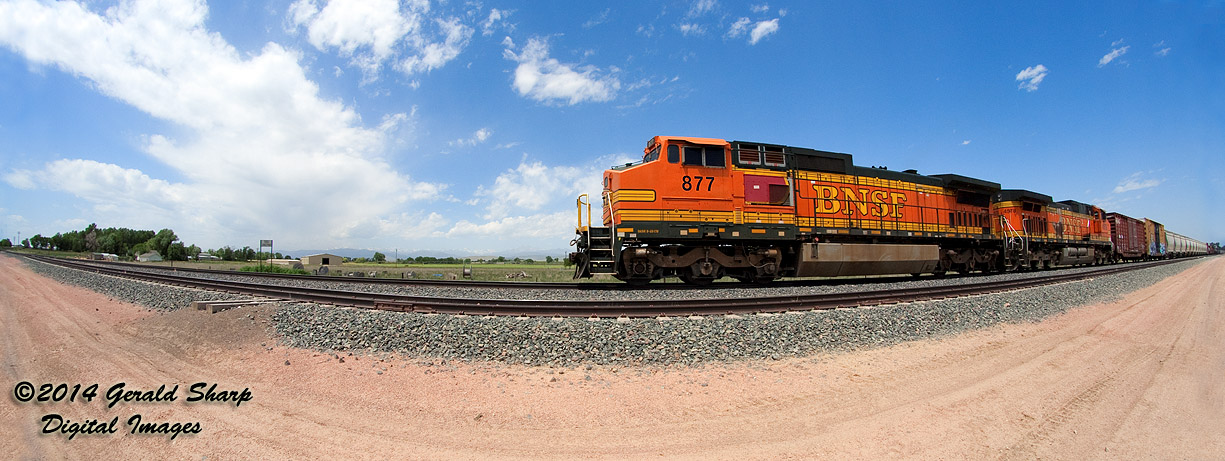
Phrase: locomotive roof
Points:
(1082, 208)
(1008, 195)
(956, 181)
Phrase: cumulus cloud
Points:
(1031, 77)
(258, 147)
(1112, 55)
(520, 200)
(372, 32)
(547, 80)
(1136, 182)
(556, 226)
(433, 55)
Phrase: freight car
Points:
(1182, 246)
(1128, 237)
(704, 208)
(1154, 236)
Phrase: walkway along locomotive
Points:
(705, 208)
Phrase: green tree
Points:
(139, 249)
(379, 257)
(176, 252)
(162, 240)
(6, 243)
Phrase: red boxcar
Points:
(1127, 236)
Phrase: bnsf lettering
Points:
(879, 203)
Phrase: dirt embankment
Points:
(1138, 378)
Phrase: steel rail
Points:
(588, 286)
(602, 308)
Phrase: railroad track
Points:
(588, 286)
(599, 308)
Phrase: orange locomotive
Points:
(704, 208)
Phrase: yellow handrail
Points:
(583, 200)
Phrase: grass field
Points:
(536, 272)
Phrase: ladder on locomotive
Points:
(595, 244)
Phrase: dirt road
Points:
(1140, 378)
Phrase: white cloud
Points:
(547, 80)
(690, 28)
(496, 16)
(21, 179)
(701, 7)
(966, 142)
(556, 226)
(258, 149)
(1112, 55)
(375, 31)
(478, 137)
(601, 19)
(758, 31)
(762, 30)
(1162, 50)
(1136, 182)
(1031, 77)
(347, 25)
(435, 55)
(531, 185)
(739, 28)
(762, 8)
(525, 201)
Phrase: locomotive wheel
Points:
(702, 273)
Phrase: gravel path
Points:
(689, 341)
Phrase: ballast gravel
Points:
(151, 295)
(685, 340)
(572, 342)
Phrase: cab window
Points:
(651, 156)
(711, 156)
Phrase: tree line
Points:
(121, 241)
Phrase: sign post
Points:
(262, 244)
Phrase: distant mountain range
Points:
(391, 254)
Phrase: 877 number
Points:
(695, 182)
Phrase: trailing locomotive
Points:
(705, 208)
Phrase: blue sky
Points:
(470, 127)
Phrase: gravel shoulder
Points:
(1136, 376)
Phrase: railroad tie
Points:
(214, 307)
